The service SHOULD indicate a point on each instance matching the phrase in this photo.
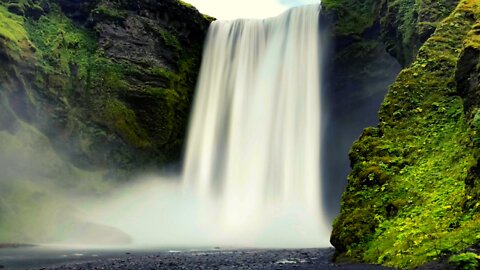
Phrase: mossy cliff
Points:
(403, 25)
(108, 82)
(90, 92)
(413, 194)
(373, 40)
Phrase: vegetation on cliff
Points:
(403, 25)
(90, 92)
(411, 196)
(109, 84)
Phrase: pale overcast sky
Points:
(233, 9)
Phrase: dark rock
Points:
(422, 102)
(16, 9)
(77, 10)
(467, 78)
(128, 108)
(233, 259)
(403, 26)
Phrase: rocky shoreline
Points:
(32, 257)
(221, 259)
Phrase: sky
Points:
(234, 9)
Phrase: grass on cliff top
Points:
(403, 205)
(62, 47)
(12, 31)
(11, 26)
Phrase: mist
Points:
(36, 190)
(45, 200)
(159, 212)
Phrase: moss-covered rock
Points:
(403, 25)
(109, 82)
(411, 196)
(90, 92)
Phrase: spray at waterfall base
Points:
(251, 174)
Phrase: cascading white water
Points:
(254, 142)
(251, 176)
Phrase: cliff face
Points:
(90, 91)
(108, 82)
(402, 25)
(373, 39)
(412, 195)
(359, 75)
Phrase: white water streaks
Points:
(254, 141)
(251, 175)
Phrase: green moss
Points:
(353, 16)
(466, 261)
(69, 50)
(185, 4)
(68, 56)
(122, 119)
(12, 31)
(94, 88)
(168, 38)
(407, 12)
(403, 24)
(62, 47)
(423, 151)
(415, 20)
(176, 98)
(209, 18)
(110, 11)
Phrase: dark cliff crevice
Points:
(412, 193)
(467, 77)
(359, 74)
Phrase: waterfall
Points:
(251, 175)
(253, 149)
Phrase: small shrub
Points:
(466, 261)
